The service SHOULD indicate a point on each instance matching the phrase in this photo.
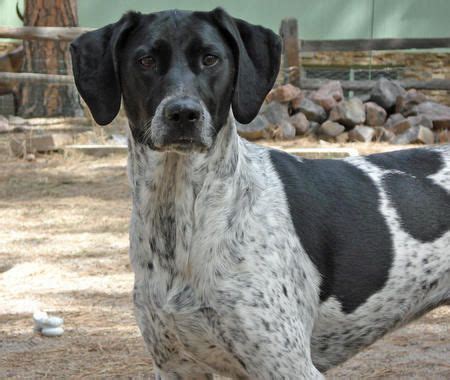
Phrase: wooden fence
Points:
(293, 46)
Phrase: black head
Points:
(178, 74)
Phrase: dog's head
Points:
(178, 74)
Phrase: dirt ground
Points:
(64, 241)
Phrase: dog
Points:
(251, 263)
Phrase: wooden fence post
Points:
(291, 50)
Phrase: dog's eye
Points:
(210, 60)
(147, 62)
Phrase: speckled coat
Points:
(224, 285)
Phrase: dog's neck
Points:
(169, 206)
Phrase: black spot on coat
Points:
(334, 209)
(416, 162)
(423, 206)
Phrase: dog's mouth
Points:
(182, 145)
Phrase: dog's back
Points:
(378, 230)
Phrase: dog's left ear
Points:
(257, 52)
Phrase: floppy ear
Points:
(94, 64)
(257, 52)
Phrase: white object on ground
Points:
(52, 331)
(50, 324)
(39, 318)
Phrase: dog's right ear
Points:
(95, 67)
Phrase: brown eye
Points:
(210, 60)
(147, 62)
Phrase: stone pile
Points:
(389, 113)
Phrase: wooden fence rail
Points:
(35, 78)
(52, 33)
(376, 44)
(366, 85)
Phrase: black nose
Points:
(182, 111)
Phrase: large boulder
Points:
(300, 123)
(406, 102)
(400, 126)
(283, 94)
(331, 129)
(408, 137)
(439, 114)
(275, 112)
(375, 115)
(420, 120)
(394, 118)
(419, 134)
(386, 92)
(328, 95)
(362, 133)
(349, 112)
(312, 111)
(425, 135)
(382, 134)
(295, 103)
(284, 131)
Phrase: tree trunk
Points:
(48, 57)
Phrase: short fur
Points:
(249, 262)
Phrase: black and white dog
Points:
(249, 262)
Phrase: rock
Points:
(405, 103)
(437, 113)
(375, 115)
(386, 92)
(300, 123)
(327, 102)
(382, 134)
(420, 120)
(295, 103)
(342, 138)
(313, 129)
(284, 131)
(349, 112)
(407, 137)
(312, 111)
(400, 126)
(425, 135)
(255, 129)
(274, 112)
(361, 133)
(283, 94)
(331, 129)
(388, 136)
(333, 88)
(394, 118)
(328, 95)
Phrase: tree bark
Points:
(48, 57)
